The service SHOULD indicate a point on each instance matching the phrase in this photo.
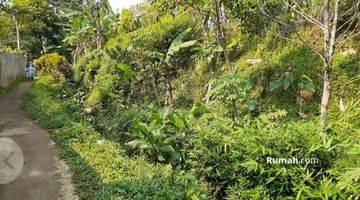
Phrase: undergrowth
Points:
(101, 169)
(197, 155)
(123, 139)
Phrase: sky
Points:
(118, 5)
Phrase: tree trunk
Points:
(17, 32)
(206, 23)
(286, 5)
(220, 33)
(325, 100)
(234, 111)
(208, 90)
(330, 29)
(156, 89)
(75, 53)
(100, 41)
(43, 44)
(168, 93)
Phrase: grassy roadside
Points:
(13, 85)
(101, 169)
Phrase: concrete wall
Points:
(12, 66)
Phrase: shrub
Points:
(234, 159)
(231, 90)
(100, 168)
(164, 139)
(52, 64)
(86, 67)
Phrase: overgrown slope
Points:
(158, 113)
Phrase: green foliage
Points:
(94, 99)
(52, 64)
(232, 158)
(92, 26)
(128, 22)
(164, 139)
(159, 35)
(36, 23)
(100, 168)
(230, 90)
(284, 82)
(198, 110)
(134, 62)
(282, 65)
(121, 142)
(347, 70)
(179, 44)
(249, 15)
(127, 71)
(347, 120)
(118, 123)
(5, 34)
(85, 68)
(235, 159)
(307, 84)
(230, 155)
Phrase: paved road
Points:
(44, 176)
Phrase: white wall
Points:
(12, 66)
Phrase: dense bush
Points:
(231, 90)
(116, 70)
(52, 64)
(166, 138)
(101, 169)
(234, 160)
(86, 67)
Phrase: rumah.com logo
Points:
(292, 161)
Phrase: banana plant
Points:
(176, 46)
(95, 23)
(163, 138)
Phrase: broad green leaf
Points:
(251, 105)
(179, 44)
(198, 110)
(274, 85)
(287, 80)
(355, 150)
(127, 71)
(233, 43)
(135, 143)
(178, 122)
(161, 158)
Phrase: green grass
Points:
(101, 169)
(13, 85)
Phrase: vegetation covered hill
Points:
(196, 99)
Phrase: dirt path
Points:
(44, 176)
